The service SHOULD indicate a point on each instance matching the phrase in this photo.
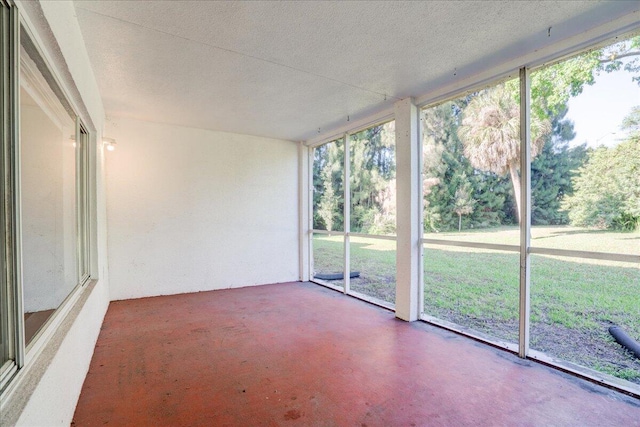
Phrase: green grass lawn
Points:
(573, 301)
(374, 259)
(569, 238)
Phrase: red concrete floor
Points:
(301, 354)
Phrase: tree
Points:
(490, 133)
(328, 206)
(553, 86)
(631, 122)
(463, 202)
(440, 163)
(552, 171)
(607, 189)
(490, 128)
(373, 167)
(611, 57)
(445, 158)
(328, 200)
(446, 169)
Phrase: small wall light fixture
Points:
(109, 143)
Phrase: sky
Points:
(598, 111)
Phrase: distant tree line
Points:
(471, 155)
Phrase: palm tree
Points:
(490, 133)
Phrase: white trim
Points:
(25, 71)
(303, 212)
(346, 215)
(39, 359)
(37, 42)
(370, 121)
(612, 32)
(537, 356)
(571, 46)
(32, 81)
(12, 309)
(310, 189)
(524, 309)
(603, 34)
(471, 333)
(372, 300)
(586, 373)
(374, 236)
(42, 337)
(327, 284)
(327, 232)
(7, 371)
(421, 260)
(477, 245)
(25, 8)
(407, 195)
(20, 352)
(456, 93)
(605, 256)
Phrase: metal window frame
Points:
(517, 68)
(346, 234)
(10, 218)
(82, 204)
(524, 309)
(40, 339)
(525, 249)
(313, 231)
(381, 118)
(10, 203)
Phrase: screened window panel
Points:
(373, 180)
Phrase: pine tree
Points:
(446, 169)
(372, 177)
(328, 198)
(552, 171)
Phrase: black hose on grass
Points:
(336, 276)
(625, 340)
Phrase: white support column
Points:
(407, 210)
(346, 184)
(304, 197)
(525, 214)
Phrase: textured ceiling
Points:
(285, 69)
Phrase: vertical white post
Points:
(525, 214)
(311, 189)
(407, 210)
(346, 184)
(304, 197)
(421, 260)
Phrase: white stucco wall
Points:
(46, 391)
(61, 369)
(193, 210)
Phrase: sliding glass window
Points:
(82, 165)
(44, 189)
(52, 163)
(9, 332)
